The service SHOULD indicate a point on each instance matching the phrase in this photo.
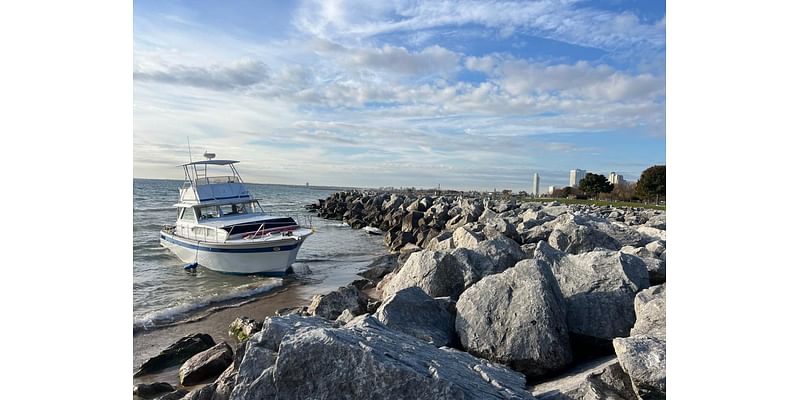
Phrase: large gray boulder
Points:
(516, 317)
(643, 355)
(601, 379)
(571, 237)
(206, 365)
(437, 273)
(599, 288)
(177, 353)
(465, 238)
(331, 305)
(367, 360)
(496, 227)
(502, 251)
(644, 359)
(414, 313)
(651, 312)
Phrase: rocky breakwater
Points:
(489, 300)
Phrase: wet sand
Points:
(295, 293)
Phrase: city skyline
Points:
(469, 95)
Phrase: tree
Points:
(593, 184)
(653, 183)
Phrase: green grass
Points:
(595, 202)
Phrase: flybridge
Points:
(203, 184)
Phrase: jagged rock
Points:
(503, 252)
(332, 304)
(640, 252)
(455, 222)
(474, 265)
(644, 359)
(292, 310)
(651, 312)
(205, 392)
(656, 247)
(599, 288)
(242, 328)
(411, 221)
(657, 221)
(177, 353)
(437, 273)
(362, 284)
(663, 256)
(413, 312)
(555, 210)
(465, 238)
(345, 317)
(570, 237)
(150, 390)
(536, 234)
(205, 365)
(496, 227)
(601, 379)
(652, 234)
(365, 359)
(516, 317)
(656, 270)
(442, 241)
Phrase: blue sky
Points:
(466, 94)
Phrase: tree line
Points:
(651, 187)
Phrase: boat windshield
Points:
(225, 209)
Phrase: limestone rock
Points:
(599, 288)
(503, 252)
(601, 379)
(365, 359)
(413, 312)
(651, 312)
(516, 317)
(437, 273)
(465, 238)
(205, 365)
(332, 304)
(644, 359)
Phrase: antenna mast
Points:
(190, 149)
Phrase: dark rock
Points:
(242, 328)
(150, 390)
(177, 353)
(332, 304)
(206, 365)
(176, 395)
(362, 284)
(202, 393)
(518, 318)
(411, 221)
(413, 312)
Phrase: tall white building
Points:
(551, 189)
(535, 185)
(575, 177)
(615, 178)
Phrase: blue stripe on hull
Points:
(217, 250)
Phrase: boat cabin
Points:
(219, 208)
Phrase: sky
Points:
(469, 95)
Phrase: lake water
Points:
(165, 294)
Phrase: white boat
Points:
(221, 227)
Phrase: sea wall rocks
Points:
(205, 365)
(331, 305)
(176, 353)
(535, 286)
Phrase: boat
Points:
(220, 226)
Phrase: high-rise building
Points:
(535, 185)
(551, 189)
(575, 177)
(615, 178)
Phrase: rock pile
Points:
(480, 299)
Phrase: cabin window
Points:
(188, 215)
(209, 212)
(228, 209)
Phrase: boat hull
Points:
(271, 258)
